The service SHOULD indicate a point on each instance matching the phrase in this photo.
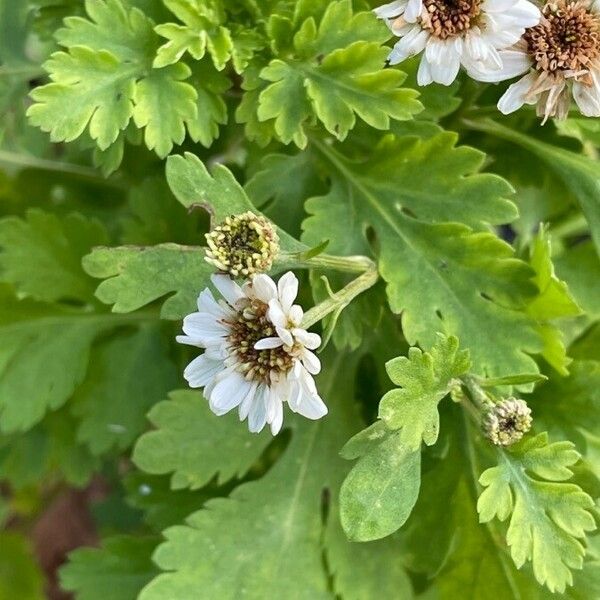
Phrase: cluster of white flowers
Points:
(557, 49)
(257, 356)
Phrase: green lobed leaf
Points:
(118, 570)
(379, 493)
(40, 255)
(136, 276)
(425, 378)
(195, 445)
(331, 72)
(441, 276)
(279, 519)
(127, 375)
(548, 517)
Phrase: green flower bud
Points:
(507, 421)
(242, 245)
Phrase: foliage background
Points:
(100, 258)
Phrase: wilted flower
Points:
(257, 355)
(507, 421)
(243, 245)
(455, 32)
(560, 58)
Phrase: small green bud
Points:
(507, 421)
(242, 245)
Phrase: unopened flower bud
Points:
(507, 421)
(242, 245)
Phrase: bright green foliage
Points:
(136, 276)
(36, 343)
(323, 73)
(379, 493)
(218, 192)
(190, 442)
(569, 407)
(118, 570)
(548, 517)
(579, 266)
(119, 390)
(20, 576)
(202, 30)
(281, 545)
(554, 301)
(105, 80)
(441, 276)
(425, 378)
(41, 255)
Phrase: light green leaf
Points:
(425, 379)
(331, 72)
(548, 517)
(192, 443)
(554, 301)
(579, 266)
(40, 255)
(162, 88)
(91, 90)
(136, 276)
(379, 493)
(118, 570)
(105, 80)
(217, 191)
(128, 374)
(36, 345)
(277, 517)
(569, 407)
(441, 276)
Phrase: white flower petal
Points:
(268, 343)
(228, 288)
(445, 72)
(410, 44)
(393, 9)
(264, 288)
(514, 62)
(276, 315)
(277, 420)
(204, 328)
(311, 362)
(287, 288)
(228, 393)
(515, 95)
(201, 371)
(413, 10)
(257, 416)
(424, 72)
(249, 398)
(588, 97)
(295, 314)
(188, 341)
(207, 304)
(285, 335)
(310, 340)
(309, 404)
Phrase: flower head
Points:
(243, 245)
(559, 58)
(257, 356)
(451, 33)
(507, 421)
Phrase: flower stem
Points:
(345, 264)
(341, 299)
(478, 395)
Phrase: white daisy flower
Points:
(257, 356)
(451, 33)
(560, 58)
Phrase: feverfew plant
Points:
(302, 297)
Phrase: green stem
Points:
(33, 162)
(342, 298)
(345, 264)
(478, 395)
